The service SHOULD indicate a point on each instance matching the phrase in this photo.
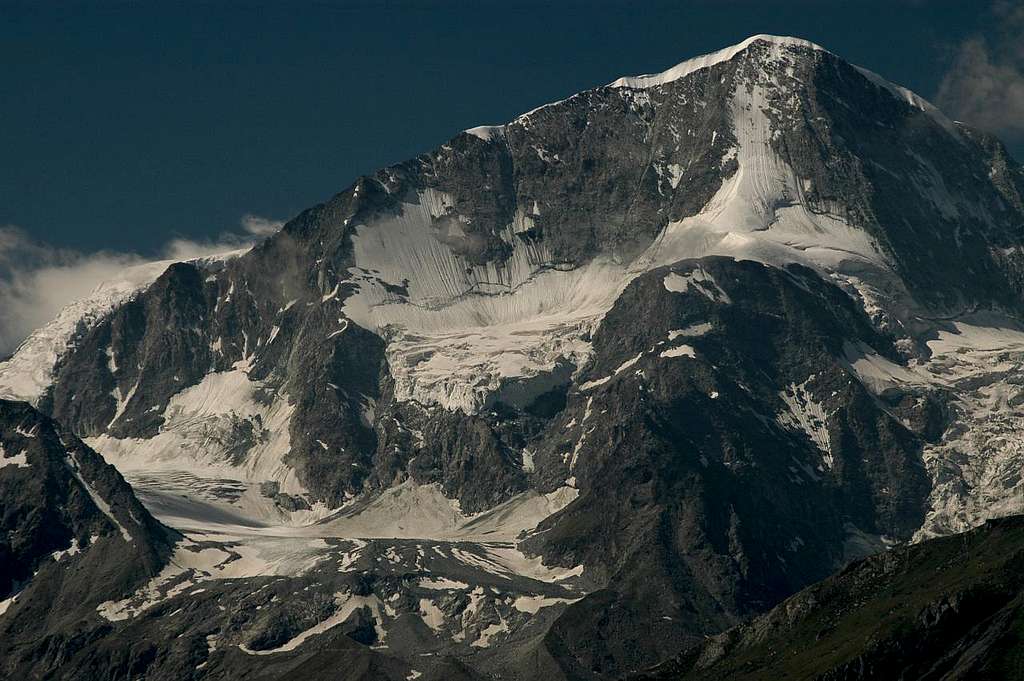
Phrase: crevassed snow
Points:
(463, 329)
(975, 466)
(196, 441)
(533, 604)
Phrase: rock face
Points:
(60, 497)
(724, 454)
(673, 348)
(73, 536)
(949, 608)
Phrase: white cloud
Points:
(259, 226)
(37, 279)
(984, 87)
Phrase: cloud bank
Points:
(38, 279)
(984, 87)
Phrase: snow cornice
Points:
(704, 61)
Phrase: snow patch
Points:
(99, 501)
(492, 630)
(692, 331)
(346, 605)
(807, 415)
(19, 460)
(72, 550)
(441, 583)
(194, 563)
(412, 511)
(698, 279)
(431, 615)
(680, 351)
(533, 604)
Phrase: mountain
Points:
(948, 608)
(565, 394)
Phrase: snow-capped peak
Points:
(704, 61)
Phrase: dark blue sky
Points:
(127, 124)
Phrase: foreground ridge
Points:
(949, 608)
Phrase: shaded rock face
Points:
(724, 455)
(73, 535)
(948, 608)
(60, 496)
(654, 300)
